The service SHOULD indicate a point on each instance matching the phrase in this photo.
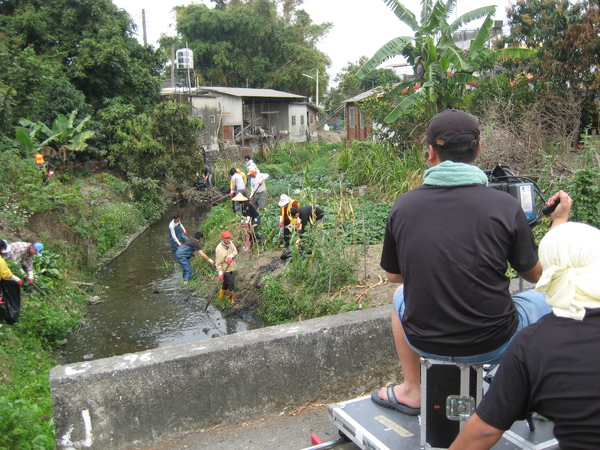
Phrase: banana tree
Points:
(63, 136)
(442, 68)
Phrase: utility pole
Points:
(144, 26)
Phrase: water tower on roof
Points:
(185, 59)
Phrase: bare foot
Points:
(404, 394)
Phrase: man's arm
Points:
(561, 213)
(476, 435)
(532, 275)
(559, 216)
(394, 277)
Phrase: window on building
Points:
(213, 118)
(301, 120)
(351, 118)
(311, 119)
(362, 120)
(293, 120)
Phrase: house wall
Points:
(312, 119)
(206, 108)
(357, 126)
(297, 119)
(231, 109)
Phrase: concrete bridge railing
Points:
(148, 397)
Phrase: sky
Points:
(360, 27)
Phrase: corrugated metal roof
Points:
(236, 92)
(359, 97)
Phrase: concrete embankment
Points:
(142, 398)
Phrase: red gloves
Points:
(280, 224)
(30, 280)
(230, 194)
(229, 260)
(20, 282)
(185, 233)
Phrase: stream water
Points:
(143, 303)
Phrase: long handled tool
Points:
(218, 284)
(50, 298)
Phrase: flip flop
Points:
(393, 403)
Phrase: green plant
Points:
(277, 304)
(585, 192)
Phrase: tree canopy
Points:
(60, 55)
(251, 44)
(567, 36)
(441, 68)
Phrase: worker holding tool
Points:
(250, 219)
(237, 184)
(225, 254)
(177, 233)
(22, 252)
(286, 219)
(258, 195)
(185, 253)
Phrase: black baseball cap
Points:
(445, 126)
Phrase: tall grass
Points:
(379, 167)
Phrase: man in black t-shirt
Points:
(449, 242)
(552, 367)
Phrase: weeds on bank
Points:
(50, 309)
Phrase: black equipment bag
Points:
(11, 297)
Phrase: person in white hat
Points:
(286, 219)
(258, 189)
(552, 367)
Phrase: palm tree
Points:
(442, 69)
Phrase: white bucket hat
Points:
(284, 200)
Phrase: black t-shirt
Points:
(193, 243)
(309, 215)
(553, 368)
(451, 245)
(249, 210)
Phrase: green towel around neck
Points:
(449, 173)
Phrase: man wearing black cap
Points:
(449, 242)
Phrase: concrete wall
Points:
(140, 398)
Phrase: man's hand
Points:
(20, 282)
(221, 276)
(230, 194)
(229, 260)
(561, 213)
(211, 261)
(30, 280)
(185, 233)
(280, 224)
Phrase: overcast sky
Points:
(360, 27)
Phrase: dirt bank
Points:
(371, 290)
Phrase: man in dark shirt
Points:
(449, 242)
(552, 367)
(185, 253)
(305, 216)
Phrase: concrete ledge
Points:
(141, 398)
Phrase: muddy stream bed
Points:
(143, 303)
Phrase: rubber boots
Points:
(232, 297)
(221, 293)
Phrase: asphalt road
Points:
(289, 430)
